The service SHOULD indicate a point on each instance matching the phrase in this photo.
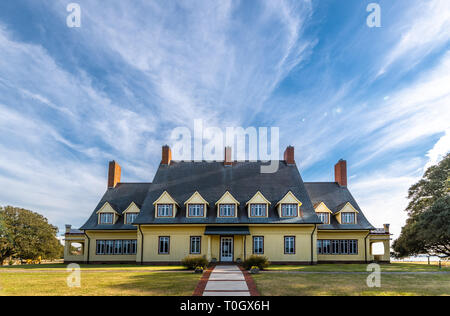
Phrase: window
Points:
(258, 210)
(165, 210)
(116, 247)
(196, 210)
(258, 245)
(100, 247)
(196, 245)
(227, 210)
(106, 218)
(130, 217)
(164, 245)
(348, 218)
(289, 210)
(289, 245)
(324, 217)
(337, 247)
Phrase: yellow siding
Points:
(322, 208)
(132, 208)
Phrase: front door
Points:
(226, 249)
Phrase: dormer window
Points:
(348, 218)
(258, 206)
(289, 206)
(227, 210)
(130, 217)
(324, 217)
(289, 210)
(196, 206)
(106, 218)
(165, 210)
(227, 206)
(258, 210)
(165, 206)
(196, 210)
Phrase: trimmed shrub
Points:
(259, 261)
(193, 262)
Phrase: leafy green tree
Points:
(27, 235)
(427, 229)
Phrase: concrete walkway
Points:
(226, 281)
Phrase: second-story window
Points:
(258, 210)
(165, 210)
(324, 217)
(196, 210)
(131, 217)
(289, 210)
(348, 218)
(106, 218)
(227, 210)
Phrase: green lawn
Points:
(98, 283)
(90, 267)
(393, 267)
(351, 284)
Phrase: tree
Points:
(27, 235)
(427, 229)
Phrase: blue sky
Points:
(71, 99)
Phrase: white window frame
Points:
(165, 210)
(324, 215)
(195, 247)
(258, 244)
(345, 217)
(289, 244)
(291, 207)
(161, 241)
(131, 214)
(196, 210)
(227, 210)
(258, 210)
(104, 216)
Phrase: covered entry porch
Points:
(226, 243)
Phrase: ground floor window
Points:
(258, 245)
(337, 247)
(164, 245)
(289, 245)
(196, 245)
(116, 247)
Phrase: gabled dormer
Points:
(165, 206)
(107, 215)
(258, 206)
(131, 213)
(323, 212)
(227, 206)
(196, 206)
(289, 206)
(346, 214)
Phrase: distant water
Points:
(418, 258)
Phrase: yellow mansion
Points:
(226, 211)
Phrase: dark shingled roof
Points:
(119, 198)
(335, 197)
(213, 179)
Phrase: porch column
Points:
(208, 254)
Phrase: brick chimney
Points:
(113, 174)
(340, 173)
(166, 155)
(289, 156)
(386, 227)
(228, 157)
(68, 228)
